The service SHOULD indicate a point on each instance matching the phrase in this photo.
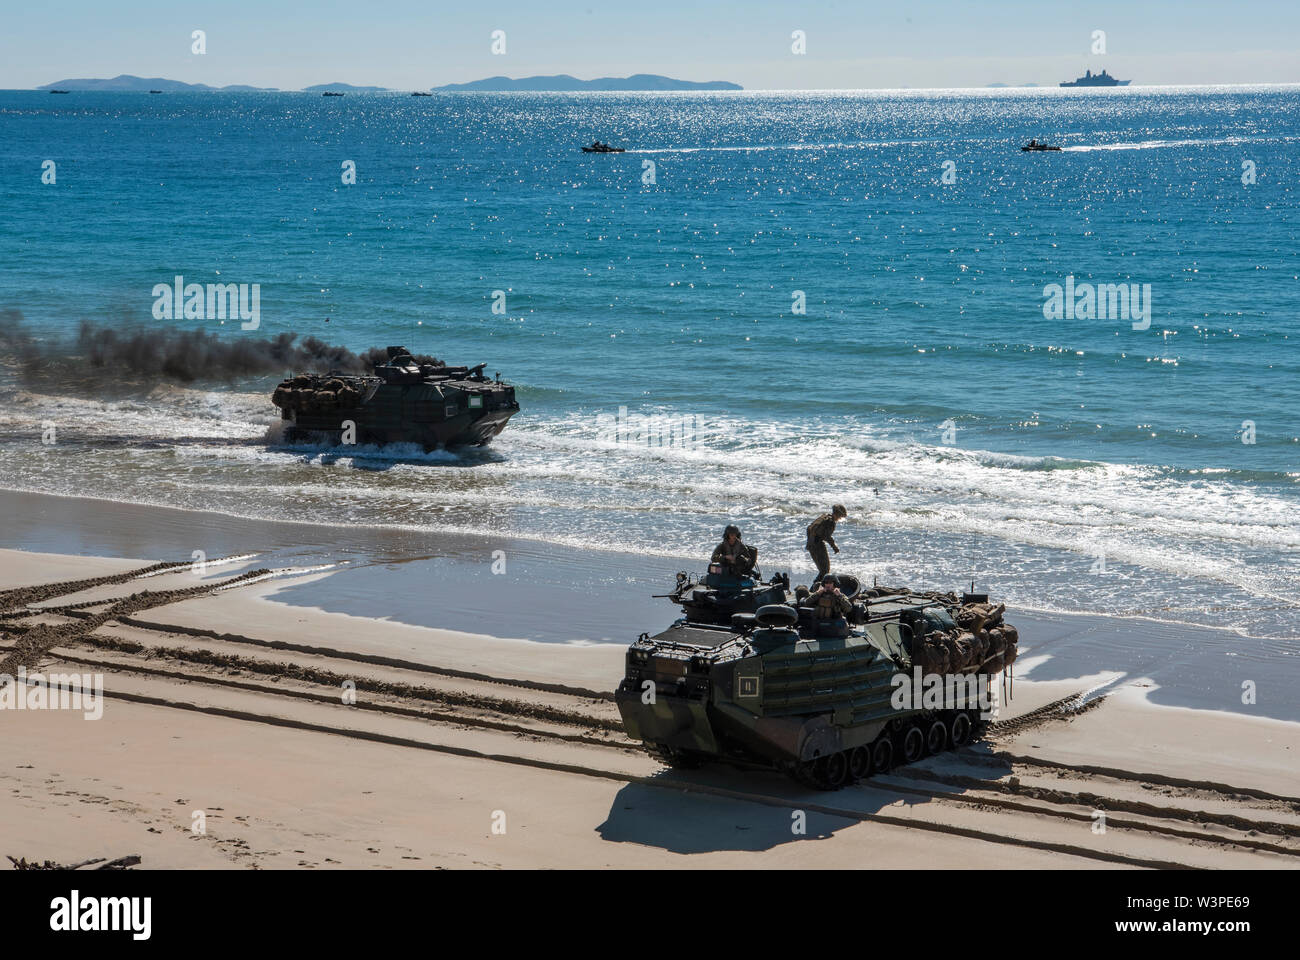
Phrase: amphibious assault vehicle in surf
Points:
(407, 400)
(827, 702)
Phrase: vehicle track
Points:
(1094, 801)
(1154, 778)
(333, 699)
(335, 681)
(37, 640)
(347, 655)
(1065, 708)
(16, 599)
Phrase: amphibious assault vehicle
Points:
(405, 401)
(827, 702)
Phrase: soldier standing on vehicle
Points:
(821, 532)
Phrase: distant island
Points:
(342, 88)
(563, 83)
(128, 83)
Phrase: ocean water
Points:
(669, 384)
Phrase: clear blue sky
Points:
(407, 44)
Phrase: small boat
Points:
(331, 93)
(599, 147)
(1035, 145)
(421, 93)
(58, 91)
(155, 91)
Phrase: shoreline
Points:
(539, 593)
(314, 542)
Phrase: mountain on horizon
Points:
(343, 87)
(560, 83)
(564, 83)
(127, 82)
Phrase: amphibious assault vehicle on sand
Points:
(407, 400)
(825, 702)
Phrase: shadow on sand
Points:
(679, 814)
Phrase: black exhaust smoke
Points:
(135, 354)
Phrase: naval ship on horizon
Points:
(1091, 79)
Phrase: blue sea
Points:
(771, 302)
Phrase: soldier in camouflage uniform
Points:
(737, 558)
(821, 532)
(828, 602)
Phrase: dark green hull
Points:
(428, 404)
(827, 710)
(399, 419)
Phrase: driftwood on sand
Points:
(121, 863)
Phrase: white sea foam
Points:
(929, 513)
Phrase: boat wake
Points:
(1161, 144)
(765, 147)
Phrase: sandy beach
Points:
(243, 728)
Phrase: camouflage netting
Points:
(317, 394)
(982, 643)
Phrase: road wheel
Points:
(833, 770)
(913, 745)
(936, 737)
(882, 755)
(860, 763)
(959, 729)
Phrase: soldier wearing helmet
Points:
(733, 554)
(829, 601)
(821, 532)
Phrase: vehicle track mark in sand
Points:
(1138, 777)
(18, 598)
(35, 642)
(1067, 708)
(329, 678)
(333, 700)
(372, 659)
(1100, 802)
(660, 782)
